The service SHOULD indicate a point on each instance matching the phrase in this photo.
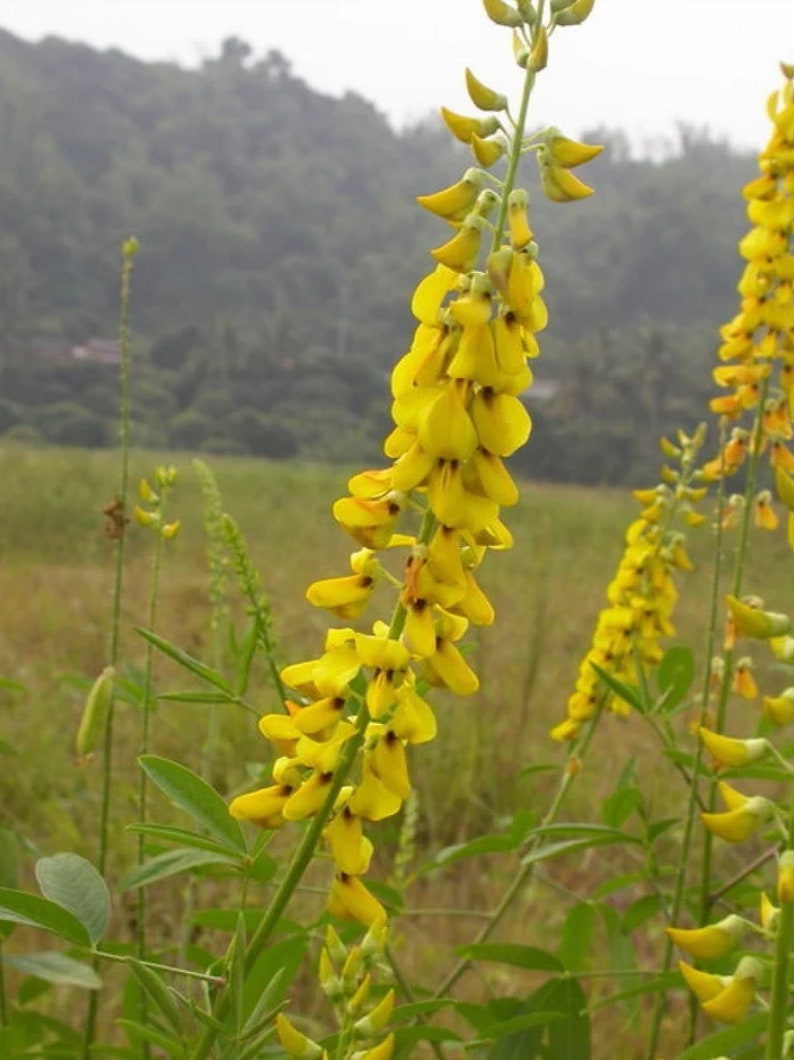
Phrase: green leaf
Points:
(171, 863)
(484, 844)
(570, 1036)
(18, 907)
(9, 848)
(75, 885)
(54, 967)
(640, 911)
(511, 953)
(628, 693)
(190, 793)
(658, 983)
(675, 675)
(181, 836)
(577, 934)
(188, 662)
(152, 984)
(724, 1042)
(197, 697)
(138, 1032)
(620, 805)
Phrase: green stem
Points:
(129, 249)
(694, 802)
(3, 998)
(140, 904)
(300, 860)
(513, 159)
(523, 877)
(779, 1007)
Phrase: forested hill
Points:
(280, 243)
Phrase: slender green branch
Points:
(523, 877)
(779, 1007)
(129, 250)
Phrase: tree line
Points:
(280, 242)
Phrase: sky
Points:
(639, 65)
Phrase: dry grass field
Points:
(56, 572)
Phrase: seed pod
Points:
(95, 713)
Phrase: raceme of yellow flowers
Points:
(423, 524)
(757, 352)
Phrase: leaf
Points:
(190, 793)
(54, 967)
(138, 1032)
(675, 675)
(724, 1042)
(628, 693)
(484, 844)
(188, 662)
(511, 953)
(182, 836)
(151, 983)
(570, 1036)
(577, 934)
(640, 911)
(9, 849)
(197, 697)
(658, 983)
(22, 908)
(75, 885)
(171, 863)
(620, 805)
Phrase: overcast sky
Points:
(637, 64)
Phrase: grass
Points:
(55, 583)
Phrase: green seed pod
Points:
(95, 714)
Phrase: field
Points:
(55, 586)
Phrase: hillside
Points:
(280, 243)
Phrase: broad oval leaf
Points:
(196, 797)
(74, 884)
(19, 907)
(54, 967)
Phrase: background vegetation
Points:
(279, 239)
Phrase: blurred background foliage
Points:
(280, 244)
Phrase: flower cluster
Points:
(346, 980)
(642, 595)
(424, 523)
(758, 344)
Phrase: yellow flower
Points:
(738, 824)
(743, 683)
(349, 899)
(785, 878)
(294, 1042)
(732, 1003)
(728, 751)
(702, 984)
(710, 942)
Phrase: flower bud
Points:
(501, 13)
(575, 14)
(539, 55)
(294, 1042)
(482, 97)
(785, 878)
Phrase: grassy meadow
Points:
(56, 574)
